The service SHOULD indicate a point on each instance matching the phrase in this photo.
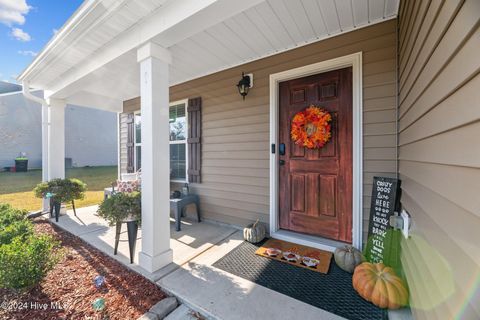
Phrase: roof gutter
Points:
(70, 24)
(27, 94)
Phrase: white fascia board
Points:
(178, 19)
(85, 8)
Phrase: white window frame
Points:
(135, 144)
(174, 103)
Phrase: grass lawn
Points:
(16, 187)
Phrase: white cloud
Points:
(27, 53)
(20, 35)
(13, 11)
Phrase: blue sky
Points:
(25, 28)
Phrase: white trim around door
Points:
(355, 61)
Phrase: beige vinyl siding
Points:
(235, 149)
(439, 157)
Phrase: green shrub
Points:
(8, 214)
(121, 206)
(61, 190)
(25, 257)
(26, 261)
(21, 229)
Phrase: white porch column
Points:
(154, 92)
(56, 139)
(45, 203)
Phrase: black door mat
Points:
(332, 292)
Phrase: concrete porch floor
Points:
(192, 240)
(191, 278)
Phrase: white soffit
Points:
(262, 29)
(271, 27)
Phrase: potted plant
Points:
(61, 190)
(121, 207)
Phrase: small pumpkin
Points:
(380, 285)
(348, 257)
(254, 233)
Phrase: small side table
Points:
(178, 206)
(132, 230)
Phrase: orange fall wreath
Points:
(311, 127)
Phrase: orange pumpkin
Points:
(380, 285)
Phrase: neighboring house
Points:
(90, 138)
(400, 77)
(7, 87)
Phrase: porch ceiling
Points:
(95, 52)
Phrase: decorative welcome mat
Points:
(332, 292)
(297, 255)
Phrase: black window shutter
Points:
(130, 143)
(194, 139)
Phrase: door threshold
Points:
(307, 240)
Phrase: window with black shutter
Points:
(185, 150)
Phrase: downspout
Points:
(28, 95)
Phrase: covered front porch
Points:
(154, 51)
(398, 81)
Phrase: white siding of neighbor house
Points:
(235, 149)
(439, 155)
(90, 134)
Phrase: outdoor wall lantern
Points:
(245, 84)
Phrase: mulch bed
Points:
(67, 292)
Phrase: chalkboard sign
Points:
(385, 201)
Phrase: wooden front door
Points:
(315, 188)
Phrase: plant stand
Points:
(178, 205)
(132, 230)
(55, 206)
(74, 210)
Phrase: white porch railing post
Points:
(154, 92)
(45, 203)
(56, 139)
